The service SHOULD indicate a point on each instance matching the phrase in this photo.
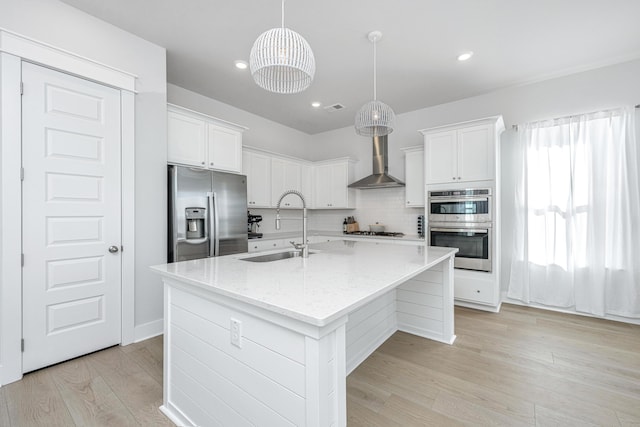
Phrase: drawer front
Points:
(258, 245)
(480, 291)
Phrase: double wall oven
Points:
(463, 219)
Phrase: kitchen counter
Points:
(271, 343)
(337, 234)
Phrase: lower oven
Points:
(473, 241)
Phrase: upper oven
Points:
(469, 205)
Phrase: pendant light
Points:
(281, 61)
(375, 118)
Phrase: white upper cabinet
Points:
(331, 179)
(462, 153)
(306, 184)
(199, 140)
(414, 176)
(286, 175)
(225, 149)
(187, 140)
(257, 168)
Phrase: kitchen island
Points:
(271, 343)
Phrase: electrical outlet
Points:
(236, 332)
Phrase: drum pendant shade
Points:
(282, 61)
(375, 118)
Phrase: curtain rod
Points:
(516, 126)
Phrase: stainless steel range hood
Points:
(380, 177)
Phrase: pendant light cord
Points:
(375, 98)
(283, 13)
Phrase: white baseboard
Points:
(425, 333)
(148, 330)
(483, 307)
(507, 300)
(175, 415)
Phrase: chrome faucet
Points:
(303, 247)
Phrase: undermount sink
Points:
(274, 257)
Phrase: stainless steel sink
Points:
(273, 257)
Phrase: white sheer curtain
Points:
(577, 236)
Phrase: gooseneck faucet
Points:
(304, 247)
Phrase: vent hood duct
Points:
(380, 177)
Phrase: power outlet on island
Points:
(236, 332)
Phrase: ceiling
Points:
(514, 42)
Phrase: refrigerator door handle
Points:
(192, 241)
(214, 241)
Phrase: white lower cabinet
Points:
(259, 245)
(476, 289)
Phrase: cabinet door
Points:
(306, 184)
(257, 167)
(475, 154)
(338, 185)
(186, 140)
(440, 157)
(323, 176)
(225, 149)
(414, 181)
(285, 175)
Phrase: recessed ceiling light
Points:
(465, 56)
(241, 65)
(316, 104)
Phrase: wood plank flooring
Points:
(119, 386)
(522, 366)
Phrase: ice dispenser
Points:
(195, 218)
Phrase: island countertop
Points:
(337, 278)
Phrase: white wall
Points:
(62, 26)
(601, 88)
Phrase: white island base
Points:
(237, 356)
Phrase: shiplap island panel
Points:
(271, 343)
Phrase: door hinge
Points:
(22, 345)
(22, 259)
(21, 174)
(21, 88)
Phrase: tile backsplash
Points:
(384, 205)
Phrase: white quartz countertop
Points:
(337, 278)
(296, 235)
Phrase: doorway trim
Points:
(14, 49)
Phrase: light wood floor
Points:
(519, 367)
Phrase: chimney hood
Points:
(380, 177)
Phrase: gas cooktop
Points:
(376, 233)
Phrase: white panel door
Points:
(71, 216)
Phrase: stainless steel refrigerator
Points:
(207, 213)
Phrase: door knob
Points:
(113, 249)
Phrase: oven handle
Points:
(461, 230)
(470, 199)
